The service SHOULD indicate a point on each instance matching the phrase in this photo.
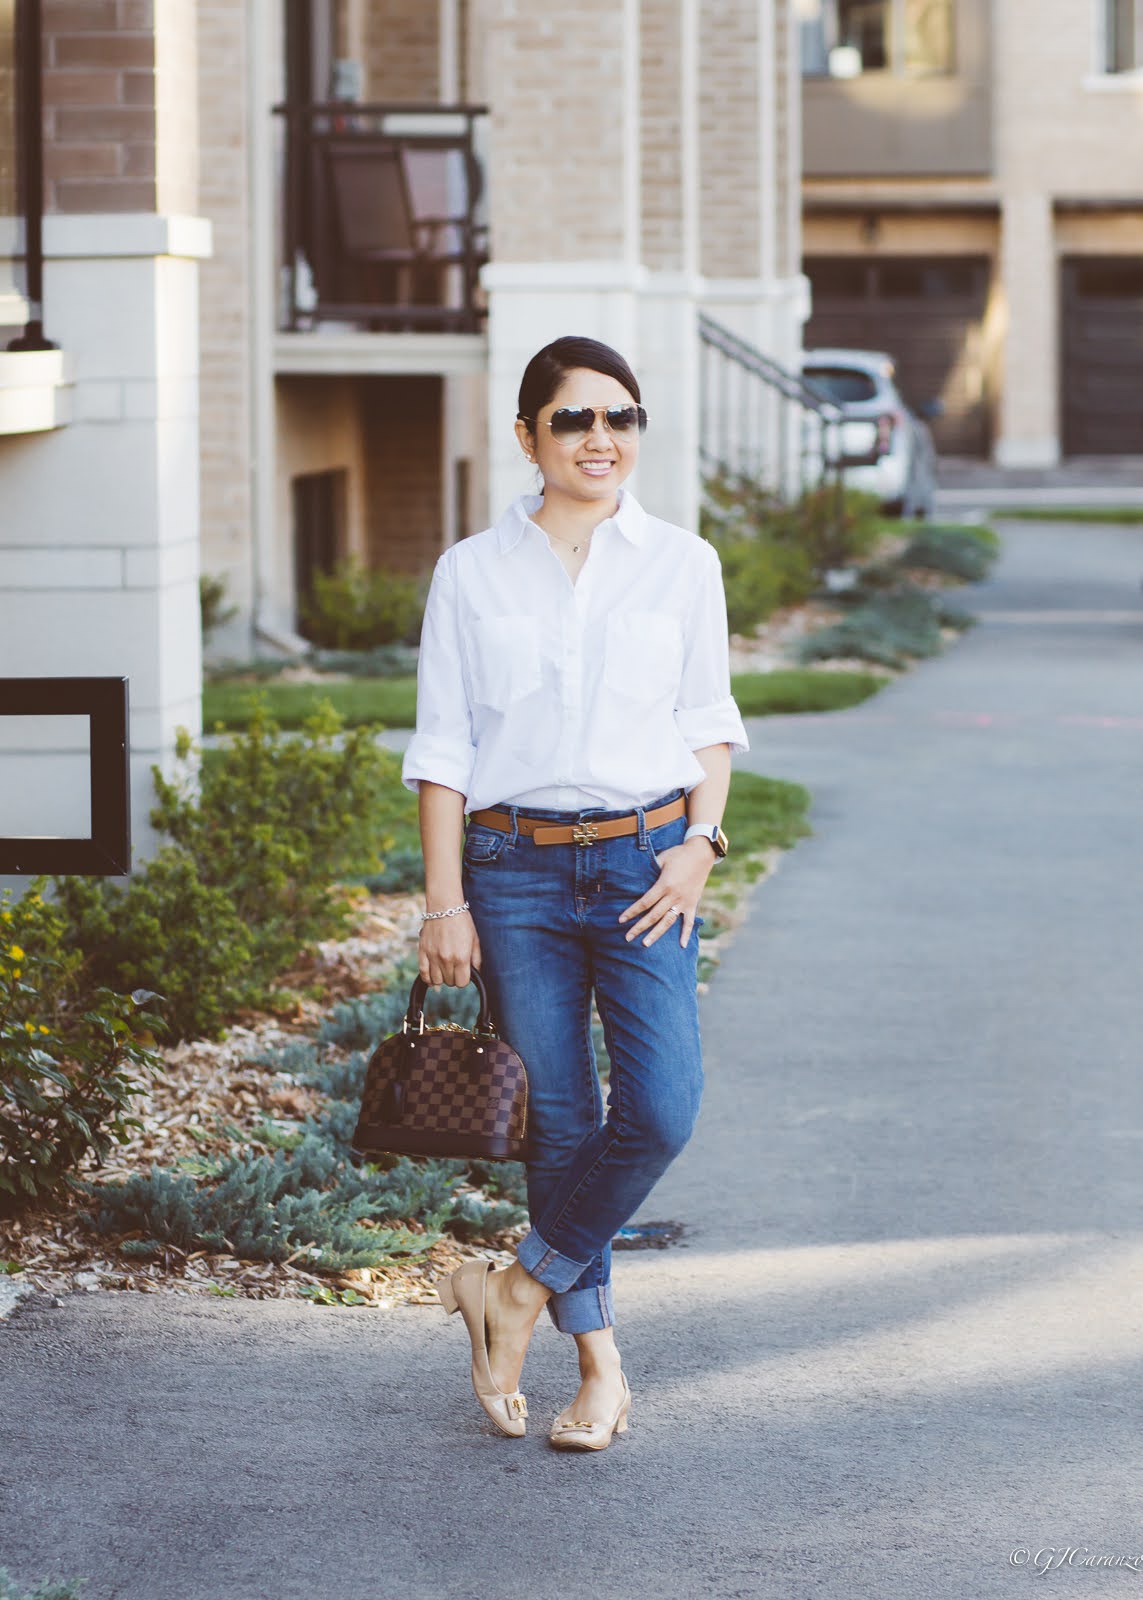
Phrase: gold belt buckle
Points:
(584, 833)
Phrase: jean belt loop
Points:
(515, 833)
(642, 834)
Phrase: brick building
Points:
(610, 173)
(294, 256)
(973, 199)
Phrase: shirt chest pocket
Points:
(643, 654)
(504, 659)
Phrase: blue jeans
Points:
(547, 917)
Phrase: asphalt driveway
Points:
(899, 1353)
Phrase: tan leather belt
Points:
(541, 831)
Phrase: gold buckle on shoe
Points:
(518, 1404)
(584, 833)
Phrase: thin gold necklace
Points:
(575, 548)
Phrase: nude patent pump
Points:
(465, 1291)
(592, 1435)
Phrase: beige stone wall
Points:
(548, 202)
(400, 45)
(729, 138)
(1055, 132)
(176, 104)
(787, 166)
(225, 293)
(663, 246)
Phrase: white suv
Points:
(886, 449)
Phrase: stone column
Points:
(668, 331)
(99, 520)
(1029, 431)
(564, 189)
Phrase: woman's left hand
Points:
(684, 871)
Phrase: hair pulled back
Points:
(550, 366)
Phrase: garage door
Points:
(928, 313)
(1102, 366)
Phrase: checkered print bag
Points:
(444, 1091)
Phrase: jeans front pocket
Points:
(664, 837)
(482, 844)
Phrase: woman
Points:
(574, 700)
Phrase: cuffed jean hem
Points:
(546, 1265)
(583, 1310)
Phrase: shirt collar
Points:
(630, 519)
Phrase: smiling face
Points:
(589, 469)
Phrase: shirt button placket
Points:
(570, 697)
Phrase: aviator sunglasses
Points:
(576, 422)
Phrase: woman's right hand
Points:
(449, 949)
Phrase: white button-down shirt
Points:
(535, 690)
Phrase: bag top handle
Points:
(415, 1015)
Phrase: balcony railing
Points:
(383, 217)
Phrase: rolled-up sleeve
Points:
(706, 712)
(441, 750)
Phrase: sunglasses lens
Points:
(569, 423)
(626, 419)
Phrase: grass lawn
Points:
(764, 813)
(1121, 514)
(393, 701)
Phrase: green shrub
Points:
(889, 628)
(358, 608)
(311, 1204)
(760, 576)
(259, 844)
(310, 1199)
(167, 931)
(71, 1054)
(957, 551)
(276, 823)
(774, 554)
(211, 598)
(51, 1589)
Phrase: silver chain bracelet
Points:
(453, 911)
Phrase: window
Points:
(1122, 35)
(908, 38)
(846, 385)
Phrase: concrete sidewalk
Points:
(902, 1340)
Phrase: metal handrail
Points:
(747, 429)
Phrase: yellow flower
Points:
(16, 953)
(5, 916)
(43, 1029)
(16, 971)
(30, 1027)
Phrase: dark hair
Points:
(550, 366)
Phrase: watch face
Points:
(721, 842)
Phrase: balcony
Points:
(383, 220)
